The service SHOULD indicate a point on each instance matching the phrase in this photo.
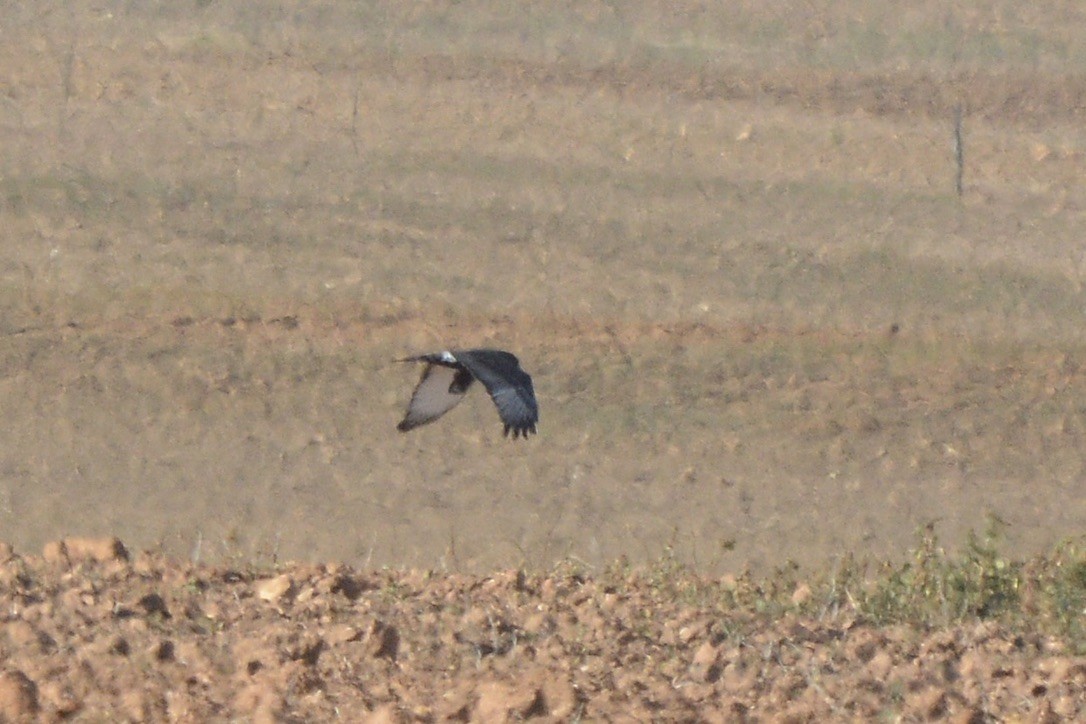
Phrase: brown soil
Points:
(92, 635)
(762, 324)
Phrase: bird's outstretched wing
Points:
(509, 386)
(439, 389)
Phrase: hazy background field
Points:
(724, 238)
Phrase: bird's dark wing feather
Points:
(438, 391)
(509, 386)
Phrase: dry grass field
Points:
(222, 222)
(762, 323)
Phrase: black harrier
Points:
(448, 375)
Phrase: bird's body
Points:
(448, 375)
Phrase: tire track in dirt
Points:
(1001, 97)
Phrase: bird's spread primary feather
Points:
(448, 375)
(436, 394)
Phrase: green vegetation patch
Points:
(931, 588)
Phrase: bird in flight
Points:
(448, 375)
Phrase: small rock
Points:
(864, 643)
(539, 623)
(18, 697)
(801, 595)
(548, 590)
(350, 587)
(118, 645)
(22, 634)
(387, 714)
(475, 618)
(697, 692)
(187, 652)
(83, 550)
(260, 702)
(969, 715)
(705, 668)
(55, 552)
(274, 589)
(1062, 669)
(972, 664)
(560, 697)
(305, 647)
(1047, 716)
(98, 550)
(739, 679)
(499, 701)
(609, 602)
(798, 712)
(689, 633)
(1066, 706)
(491, 703)
(60, 698)
(163, 650)
(341, 634)
(880, 666)
(143, 705)
(153, 603)
(456, 704)
(706, 655)
(929, 703)
(382, 640)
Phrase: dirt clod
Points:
(18, 696)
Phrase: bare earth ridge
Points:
(92, 633)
